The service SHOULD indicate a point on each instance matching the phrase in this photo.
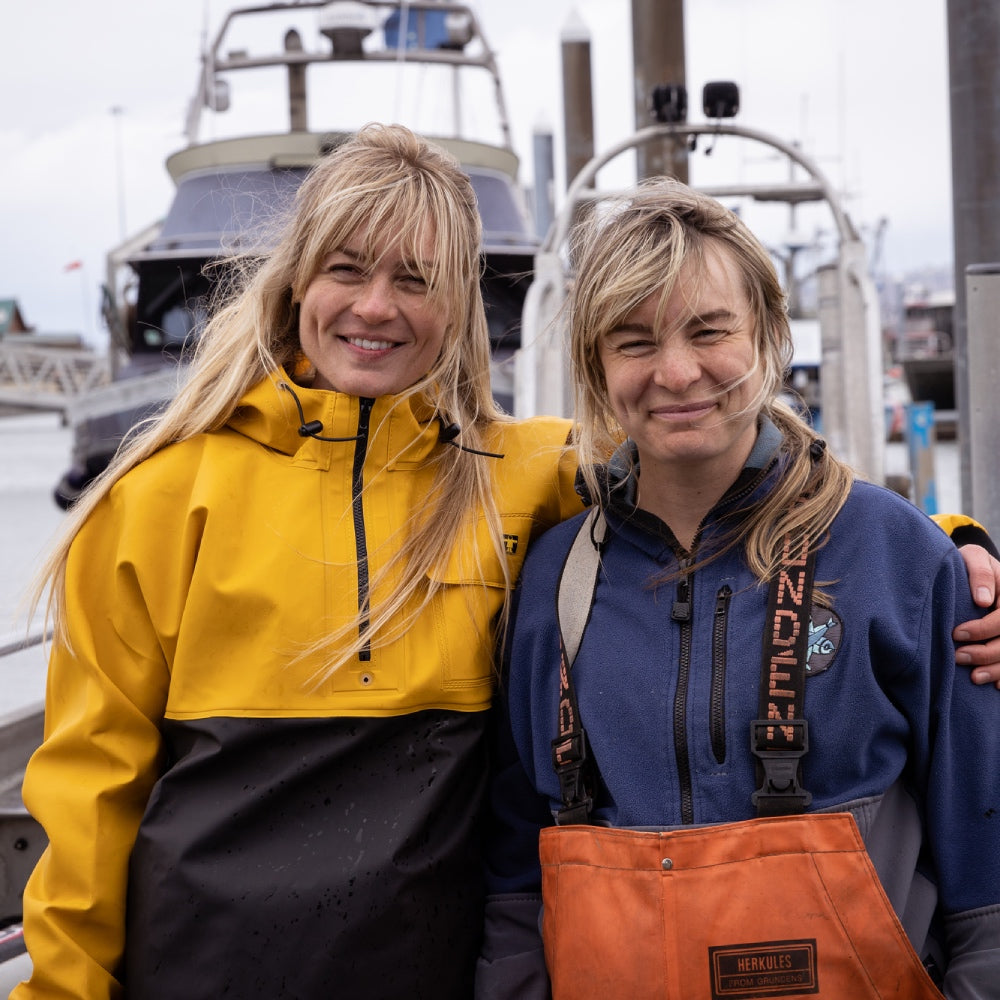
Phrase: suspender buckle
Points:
(569, 758)
(780, 792)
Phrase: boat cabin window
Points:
(171, 307)
(226, 210)
(503, 220)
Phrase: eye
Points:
(412, 282)
(630, 343)
(708, 335)
(343, 269)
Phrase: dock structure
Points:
(48, 378)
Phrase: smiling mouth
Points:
(687, 410)
(370, 345)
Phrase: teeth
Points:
(370, 345)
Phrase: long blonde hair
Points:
(384, 179)
(638, 246)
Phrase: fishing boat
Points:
(319, 69)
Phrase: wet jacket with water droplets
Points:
(219, 826)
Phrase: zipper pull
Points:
(681, 611)
(722, 601)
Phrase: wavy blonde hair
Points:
(384, 179)
(639, 245)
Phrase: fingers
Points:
(984, 657)
(984, 581)
(984, 574)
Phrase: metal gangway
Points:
(49, 378)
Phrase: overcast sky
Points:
(862, 85)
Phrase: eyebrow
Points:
(412, 266)
(710, 318)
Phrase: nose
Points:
(676, 366)
(375, 302)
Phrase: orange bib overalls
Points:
(779, 906)
(786, 906)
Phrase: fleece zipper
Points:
(681, 613)
(360, 540)
(717, 703)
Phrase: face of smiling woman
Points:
(370, 330)
(684, 385)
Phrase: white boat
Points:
(322, 68)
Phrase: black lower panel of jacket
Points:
(311, 858)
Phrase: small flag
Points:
(73, 265)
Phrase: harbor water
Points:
(34, 452)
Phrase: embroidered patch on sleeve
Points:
(825, 633)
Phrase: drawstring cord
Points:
(447, 433)
(311, 428)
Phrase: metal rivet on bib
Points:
(366, 679)
(666, 864)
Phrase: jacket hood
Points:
(269, 414)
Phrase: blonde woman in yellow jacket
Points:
(263, 762)
(263, 765)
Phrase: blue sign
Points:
(920, 445)
(425, 29)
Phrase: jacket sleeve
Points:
(964, 530)
(89, 781)
(512, 963)
(960, 761)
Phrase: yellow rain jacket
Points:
(219, 824)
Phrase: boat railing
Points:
(405, 40)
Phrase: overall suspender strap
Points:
(574, 599)
(779, 737)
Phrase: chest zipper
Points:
(360, 540)
(717, 704)
(681, 613)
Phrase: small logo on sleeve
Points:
(764, 969)
(510, 543)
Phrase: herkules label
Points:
(763, 969)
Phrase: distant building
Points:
(12, 326)
(11, 320)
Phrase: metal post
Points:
(832, 395)
(974, 76)
(541, 366)
(861, 336)
(658, 58)
(544, 166)
(297, 114)
(982, 288)
(578, 100)
(851, 375)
